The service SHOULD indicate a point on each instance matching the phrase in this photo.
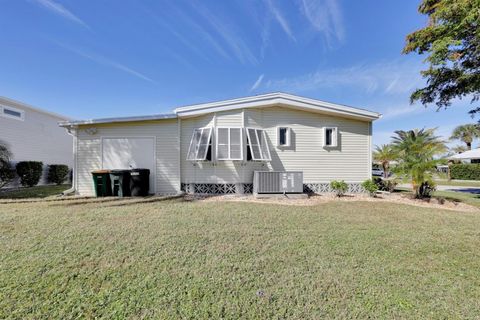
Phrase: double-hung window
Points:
(200, 145)
(258, 144)
(330, 137)
(229, 144)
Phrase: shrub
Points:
(339, 187)
(388, 184)
(57, 173)
(29, 172)
(463, 171)
(426, 189)
(370, 186)
(6, 173)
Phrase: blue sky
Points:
(91, 59)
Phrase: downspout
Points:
(73, 132)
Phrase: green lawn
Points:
(177, 259)
(34, 192)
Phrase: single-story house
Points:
(469, 156)
(33, 134)
(216, 147)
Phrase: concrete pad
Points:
(280, 196)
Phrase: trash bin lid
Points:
(139, 170)
(119, 171)
(101, 171)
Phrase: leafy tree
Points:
(6, 171)
(5, 154)
(466, 133)
(384, 154)
(451, 41)
(416, 150)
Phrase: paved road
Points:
(472, 190)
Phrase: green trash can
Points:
(101, 183)
(120, 180)
(139, 182)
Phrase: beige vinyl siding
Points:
(89, 151)
(37, 138)
(350, 161)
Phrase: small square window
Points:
(330, 137)
(283, 136)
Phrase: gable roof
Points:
(21, 105)
(278, 99)
(259, 101)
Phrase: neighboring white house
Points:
(216, 147)
(470, 156)
(33, 134)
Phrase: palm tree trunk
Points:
(385, 169)
(469, 145)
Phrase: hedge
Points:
(465, 171)
(29, 172)
(57, 173)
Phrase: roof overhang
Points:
(117, 120)
(260, 101)
(279, 99)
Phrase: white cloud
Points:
(257, 83)
(280, 19)
(230, 36)
(326, 17)
(387, 78)
(402, 110)
(106, 62)
(61, 11)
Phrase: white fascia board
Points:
(275, 99)
(117, 120)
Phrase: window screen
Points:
(199, 144)
(258, 145)
(229, 144)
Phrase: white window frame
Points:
(229, 144)
(288, 137)
(265, 140)
(197, 158)
(2, 113)
(334, 137)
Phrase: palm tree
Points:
(466, 133)
(416, 151)
(384, 154)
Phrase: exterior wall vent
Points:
(278, 182)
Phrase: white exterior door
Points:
(128, 153)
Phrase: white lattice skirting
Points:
(246, 188)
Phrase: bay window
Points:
(229, 143)
(258, 144)
(200, 145)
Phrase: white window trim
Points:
(2, 113)
(265, 141)
(191, 144)
(289, 135)
(334, 137)
(229, 143)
